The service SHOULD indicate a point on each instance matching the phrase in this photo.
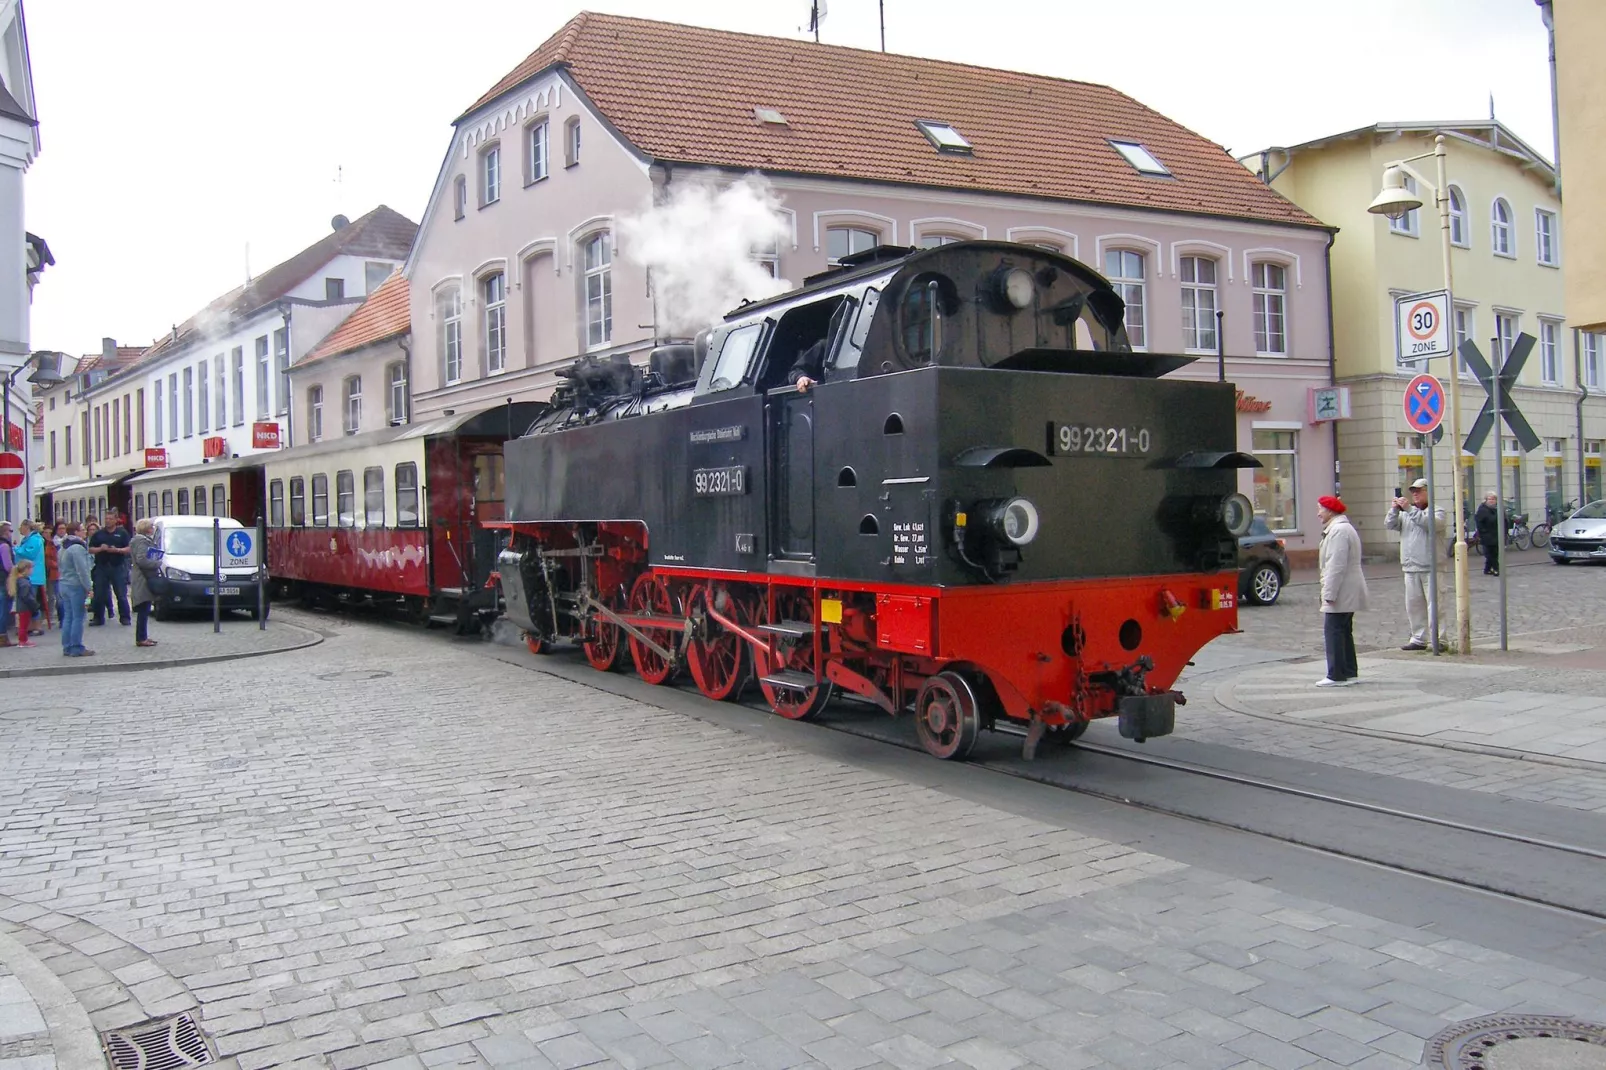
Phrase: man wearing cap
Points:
(1409, 517)
(1343, 591)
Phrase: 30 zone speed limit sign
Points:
(1422, 326)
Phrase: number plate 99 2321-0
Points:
(719, 482)
(1117, 441)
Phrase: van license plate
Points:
(226, 591)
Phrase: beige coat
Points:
(1343, 584)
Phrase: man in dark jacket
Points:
(1488, 521)
(109, 549)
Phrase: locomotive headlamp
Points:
(1017, 288)
(1014, 520)
(1236, 514)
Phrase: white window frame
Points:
(1502, 229)
(448, 301)
(1502, 317)
(1062, 241)
(1594, 350)
(396, 392)
(493, 321)
(1460, 218)
(1191, 331)
(1124, 284)
(351, 404)
(1550, 352)
(490, 174)
(315, 413)
(596, 290)
(264, 383)
(849, 228)
(571, 142)
(1470, 311)
(537, 150)
(1547, 237)
(1408, 224)
(946, 227)
(1297, 430)
(1261, 308)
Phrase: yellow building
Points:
(1578, 29)
(1507, 260)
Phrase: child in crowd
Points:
(19, 585)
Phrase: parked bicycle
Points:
(1553, 516)
(1518, 534)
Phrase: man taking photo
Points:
(1408, 515)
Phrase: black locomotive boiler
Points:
(986, 508)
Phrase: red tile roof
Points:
(383, 315)
(126, 356)
(687, 94)
(383, 232)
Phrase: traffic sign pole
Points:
(1433, 544)
(1499, 493)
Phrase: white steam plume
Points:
(699, 245)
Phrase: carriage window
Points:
(220, 500)
(927, 305)
(488, 478)
(150, 504)
(298, 502)
(847, 359)
(345, 499)
(407, 495)
(139, 506)
(276, 503)
(735, 356)
(200, 501)
(320, 501)
(373, 497)
(167, 502)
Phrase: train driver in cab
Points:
(808, 368)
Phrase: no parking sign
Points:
(1424, 404)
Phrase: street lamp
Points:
(46, 366)
(1394, 201)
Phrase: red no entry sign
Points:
(1424, 404)
(12, 471)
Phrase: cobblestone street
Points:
(390, 849)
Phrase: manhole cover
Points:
(168, 1044)
(1520, 1042)
(354, 674)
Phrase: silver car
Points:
(1581, 537)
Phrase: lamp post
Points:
(46, 366)
(1395, 201)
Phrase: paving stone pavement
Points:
(188, 641)
(387, 850)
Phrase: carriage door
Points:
(791, 420)
(489, 506)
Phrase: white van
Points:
(184, 546)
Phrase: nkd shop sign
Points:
(265, 436)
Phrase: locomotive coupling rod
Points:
(636, 633)
(731, 626)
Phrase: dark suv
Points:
(1262, 564)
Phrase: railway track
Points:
(1510, 863)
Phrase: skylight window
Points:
(944, 136)
(1140, 158)
(769, 115)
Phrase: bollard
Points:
(262, 574)
(217, 576)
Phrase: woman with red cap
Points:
(1343, 591)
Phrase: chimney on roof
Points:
(175, 332)
(340, 222)
(108, 349)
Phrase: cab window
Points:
(735, 357)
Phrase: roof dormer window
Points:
(1140, 158)
(944, 137)
(769, 116)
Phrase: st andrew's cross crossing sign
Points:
(1509, 412)
(1424, 404)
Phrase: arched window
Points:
(490, 174)
(353, 404)
(1459, 234)
(1126, 270)
(493, 294)
(535, 151)
(1271, 308)
(844, 241)
(314, 413)
(933, 241)
(1500, 235)
(449, 333)
(598, 263)
(1199, 303)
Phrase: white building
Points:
(218, 385)
(26, 255)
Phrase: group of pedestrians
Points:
(71, 571)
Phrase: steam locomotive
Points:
(988, 509)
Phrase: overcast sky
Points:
(177, 132)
